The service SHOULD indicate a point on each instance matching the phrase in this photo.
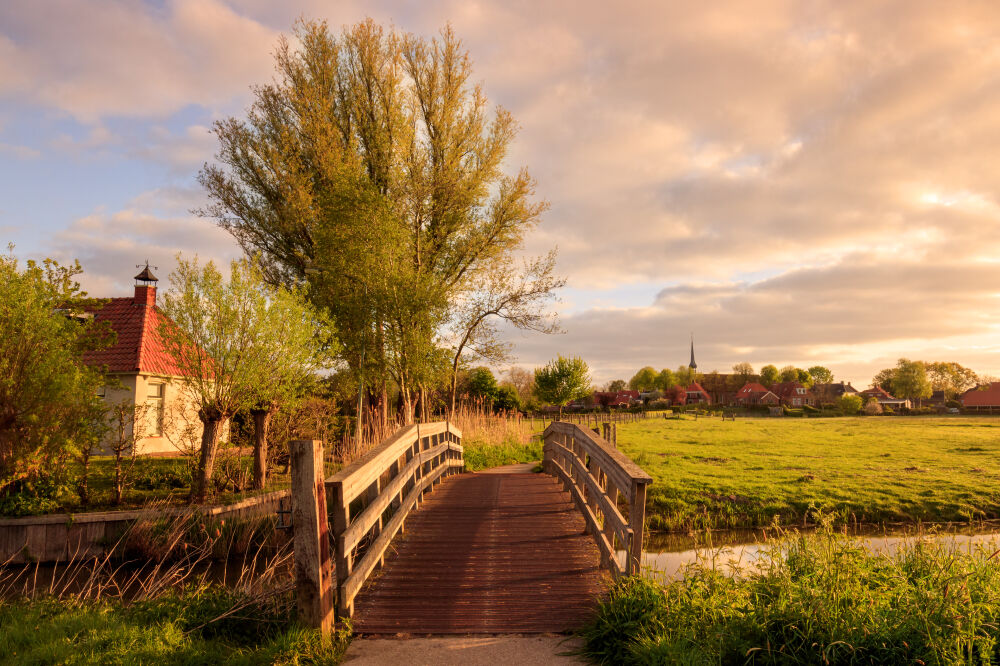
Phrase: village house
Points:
(144, 372)
(827, 393)
(754, 393)
(622, 398)
(982, 398)
(885, 399)
(793, 394)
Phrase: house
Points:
(754, 393)
(826, 393)
(982, 398)
(883, 398)
(146, 373)
(695, 394)
(622, 398)
(793, 394)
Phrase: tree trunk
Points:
(209, 445)
(261, 425)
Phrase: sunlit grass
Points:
(749, 472)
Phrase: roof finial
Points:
(146, 276)
(692, 365)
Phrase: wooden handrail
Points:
(392, 476)
(596, 473)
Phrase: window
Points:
(154, 398)
(102, 391)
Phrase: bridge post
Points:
(313, 570)
(636, 521)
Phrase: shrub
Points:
(849, 404)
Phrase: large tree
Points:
(910, 380)
(951, 378)
(644, 380)
(820, 374)
(372, 168)
(226, 337)
(743, 372)
(49, 407)
(769, 375)
(561, 380)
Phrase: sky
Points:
(789, 182)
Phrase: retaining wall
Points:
(62, 537)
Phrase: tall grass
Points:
(176, 589)
(817, 599)
(495, 439)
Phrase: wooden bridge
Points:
(418, 547)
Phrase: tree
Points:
(789, 373)
(616, 385)
(685, 376)
(523, 382)
(769, 375)
(372, 169)
(910, 380)
(226, 337)
(666, 380)
(744, 372)
(849, 403)
(951, 378)
(821, 375)
(298, 342)
(48, 395)
(514, 297)
(644, 380)
(561, 380)
(804, 377)
(482, 384)
(885, 380)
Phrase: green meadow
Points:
(753, 472)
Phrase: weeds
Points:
(820, 598)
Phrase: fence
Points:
(599, 477)
(369, 501)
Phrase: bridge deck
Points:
(487, 553)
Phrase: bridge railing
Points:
(601, 480)
(371, 498)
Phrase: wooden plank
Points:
(614, 463)
(367, 518)
(350, 587)
(313, 570)
(609, 509)
(360, 474)
(607, 551)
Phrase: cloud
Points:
(19, 152)
(155, 226)
(108, 58)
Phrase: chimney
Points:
(145, 287)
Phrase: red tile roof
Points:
(139, 347)
(989, 397)
(752, 387)
(878, 392)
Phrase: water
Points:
(667, 555)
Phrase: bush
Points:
(809, 409)
(849, 404)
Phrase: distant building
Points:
(145, 371)
(793, 394)
(885, 399)
(622, 398)
(753, 394)
(825, 393)
(695, 394)
(983, 398)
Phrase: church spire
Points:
(692, 364)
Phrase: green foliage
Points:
(506, 399)
(361, 172)
(49, 407)
(743, 372)
(666, 380)
(849, 404)
(562, 379)
(769, 375)
(186, 626)
(820, 374)
(910, 380)
(482, 384)
(644, 380)
(479, 455)
(619, 385)
(809, 599)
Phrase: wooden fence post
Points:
(636, 520)
(311, 541)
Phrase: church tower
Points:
(692, 364)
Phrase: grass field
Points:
(750, 472)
